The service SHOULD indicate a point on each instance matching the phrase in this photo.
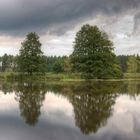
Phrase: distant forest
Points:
(8, 63)
(127, 63)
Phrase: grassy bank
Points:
(45, 77)
(59, 77)
(132, 76)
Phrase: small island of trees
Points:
(93, 57)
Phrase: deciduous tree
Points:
(31, 57)
(93, 54)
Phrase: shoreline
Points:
(61, 77)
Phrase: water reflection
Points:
(92, 106)
(95, 105)
(30, 97)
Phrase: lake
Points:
(70, 111)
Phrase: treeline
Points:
(129, 63)
(54, 64)
(9, 63)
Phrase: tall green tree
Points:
(132, 64)
(58, 67)
(67, 64)
(7, 62)
(123, 62)
(31, 57)
(138, 63)
(93, 54)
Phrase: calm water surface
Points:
(70, 111)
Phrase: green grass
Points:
(132, 76)
(46, 77)
(65, 77)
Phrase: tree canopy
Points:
(31, 57)
(93, 54)
(132, 64)
(57, 67)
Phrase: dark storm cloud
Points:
(18, 17)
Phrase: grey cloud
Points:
(136, 29)
(18, 17)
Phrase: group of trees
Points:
(9, 63)
(93, 57)
(129, 63)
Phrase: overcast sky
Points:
(57, 21)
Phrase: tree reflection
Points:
(133, 88)
(93, 105)
(92, 102)
(6, 87)
(30, 97)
